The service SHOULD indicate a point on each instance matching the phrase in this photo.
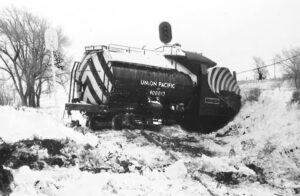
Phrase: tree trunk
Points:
(37, 101)
(30, 93)
(31, 97)
(38, 92)
(23, 98)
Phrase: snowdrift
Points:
(258, 153)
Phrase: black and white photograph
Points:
(149, 98)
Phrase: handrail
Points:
(119, 48)
(129, 49)
(71, 81)
(77, 65)
(95, 47)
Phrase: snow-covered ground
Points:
(258, 153)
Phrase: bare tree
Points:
(23, 53)
(260, 71)
(5, 99)
(290, 59)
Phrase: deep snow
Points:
(258, 153)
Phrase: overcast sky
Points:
(229, 32)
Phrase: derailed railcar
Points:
(122, 86)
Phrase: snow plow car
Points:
(125, 87)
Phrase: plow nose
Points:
(224, 85)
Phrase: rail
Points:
(129, 49)
(95, 48)
(72, 88)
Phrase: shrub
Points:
(291, 67)
(296, 97)
(4, 98)
(252, 95)
(7, 93)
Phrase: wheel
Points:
(99, 122)
(117, 122)
(90, 123)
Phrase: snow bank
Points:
(271, 119)
(258, 153)
(27, 123)
(266, 134)
(62, 181)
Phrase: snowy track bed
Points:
(256, 154)
(121, 163)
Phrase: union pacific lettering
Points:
(148, 83)
(158, 84)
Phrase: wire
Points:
(278, 62)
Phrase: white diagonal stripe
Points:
(227, 77)
(235, 87)
(98, 66)
(109, 86)
(231, 86)
(227, 84)
(223, 71)
(214, 79)
(87, 95)
(208, 78)
(88, 74)
(84, 61)
(106, 56)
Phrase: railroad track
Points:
(175, 147)
(188, 145)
